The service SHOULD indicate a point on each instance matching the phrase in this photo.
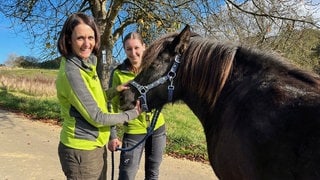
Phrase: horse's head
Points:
(159, 67)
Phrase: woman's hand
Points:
(138, 107)
(122, 87)
(114, 144)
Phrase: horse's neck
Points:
(197, 106)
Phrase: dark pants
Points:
(154, 148)
(83, 164)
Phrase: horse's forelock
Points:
(155, 48)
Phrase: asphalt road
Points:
(28, 151)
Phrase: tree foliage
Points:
(31, 62)
(252, 22)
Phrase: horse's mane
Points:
(208, 67)
(215, 72)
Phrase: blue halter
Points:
(143, 90)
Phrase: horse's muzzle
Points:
(127, 100)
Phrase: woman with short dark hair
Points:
(86, 121)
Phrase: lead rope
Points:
(112, 165)
(150, 131)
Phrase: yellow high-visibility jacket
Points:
(86, 121)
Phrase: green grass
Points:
(184, 133)
(36, 108)
(185, 136)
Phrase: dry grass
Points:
(32, 82)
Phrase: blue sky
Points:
(18, 43)
(12, 43)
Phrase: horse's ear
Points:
(181, 42)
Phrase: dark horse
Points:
(260, 114)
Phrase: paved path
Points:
(28, 151)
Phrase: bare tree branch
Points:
(271, 16)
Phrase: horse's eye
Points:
(155, 65)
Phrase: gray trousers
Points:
(154, 147)
(83, 164)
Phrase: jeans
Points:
(83, 164)
(154, 148)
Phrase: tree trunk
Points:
(105, 53)
(104, 66)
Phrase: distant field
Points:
(33, 82)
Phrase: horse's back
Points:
(270, 129)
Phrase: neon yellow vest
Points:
(81, 131)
